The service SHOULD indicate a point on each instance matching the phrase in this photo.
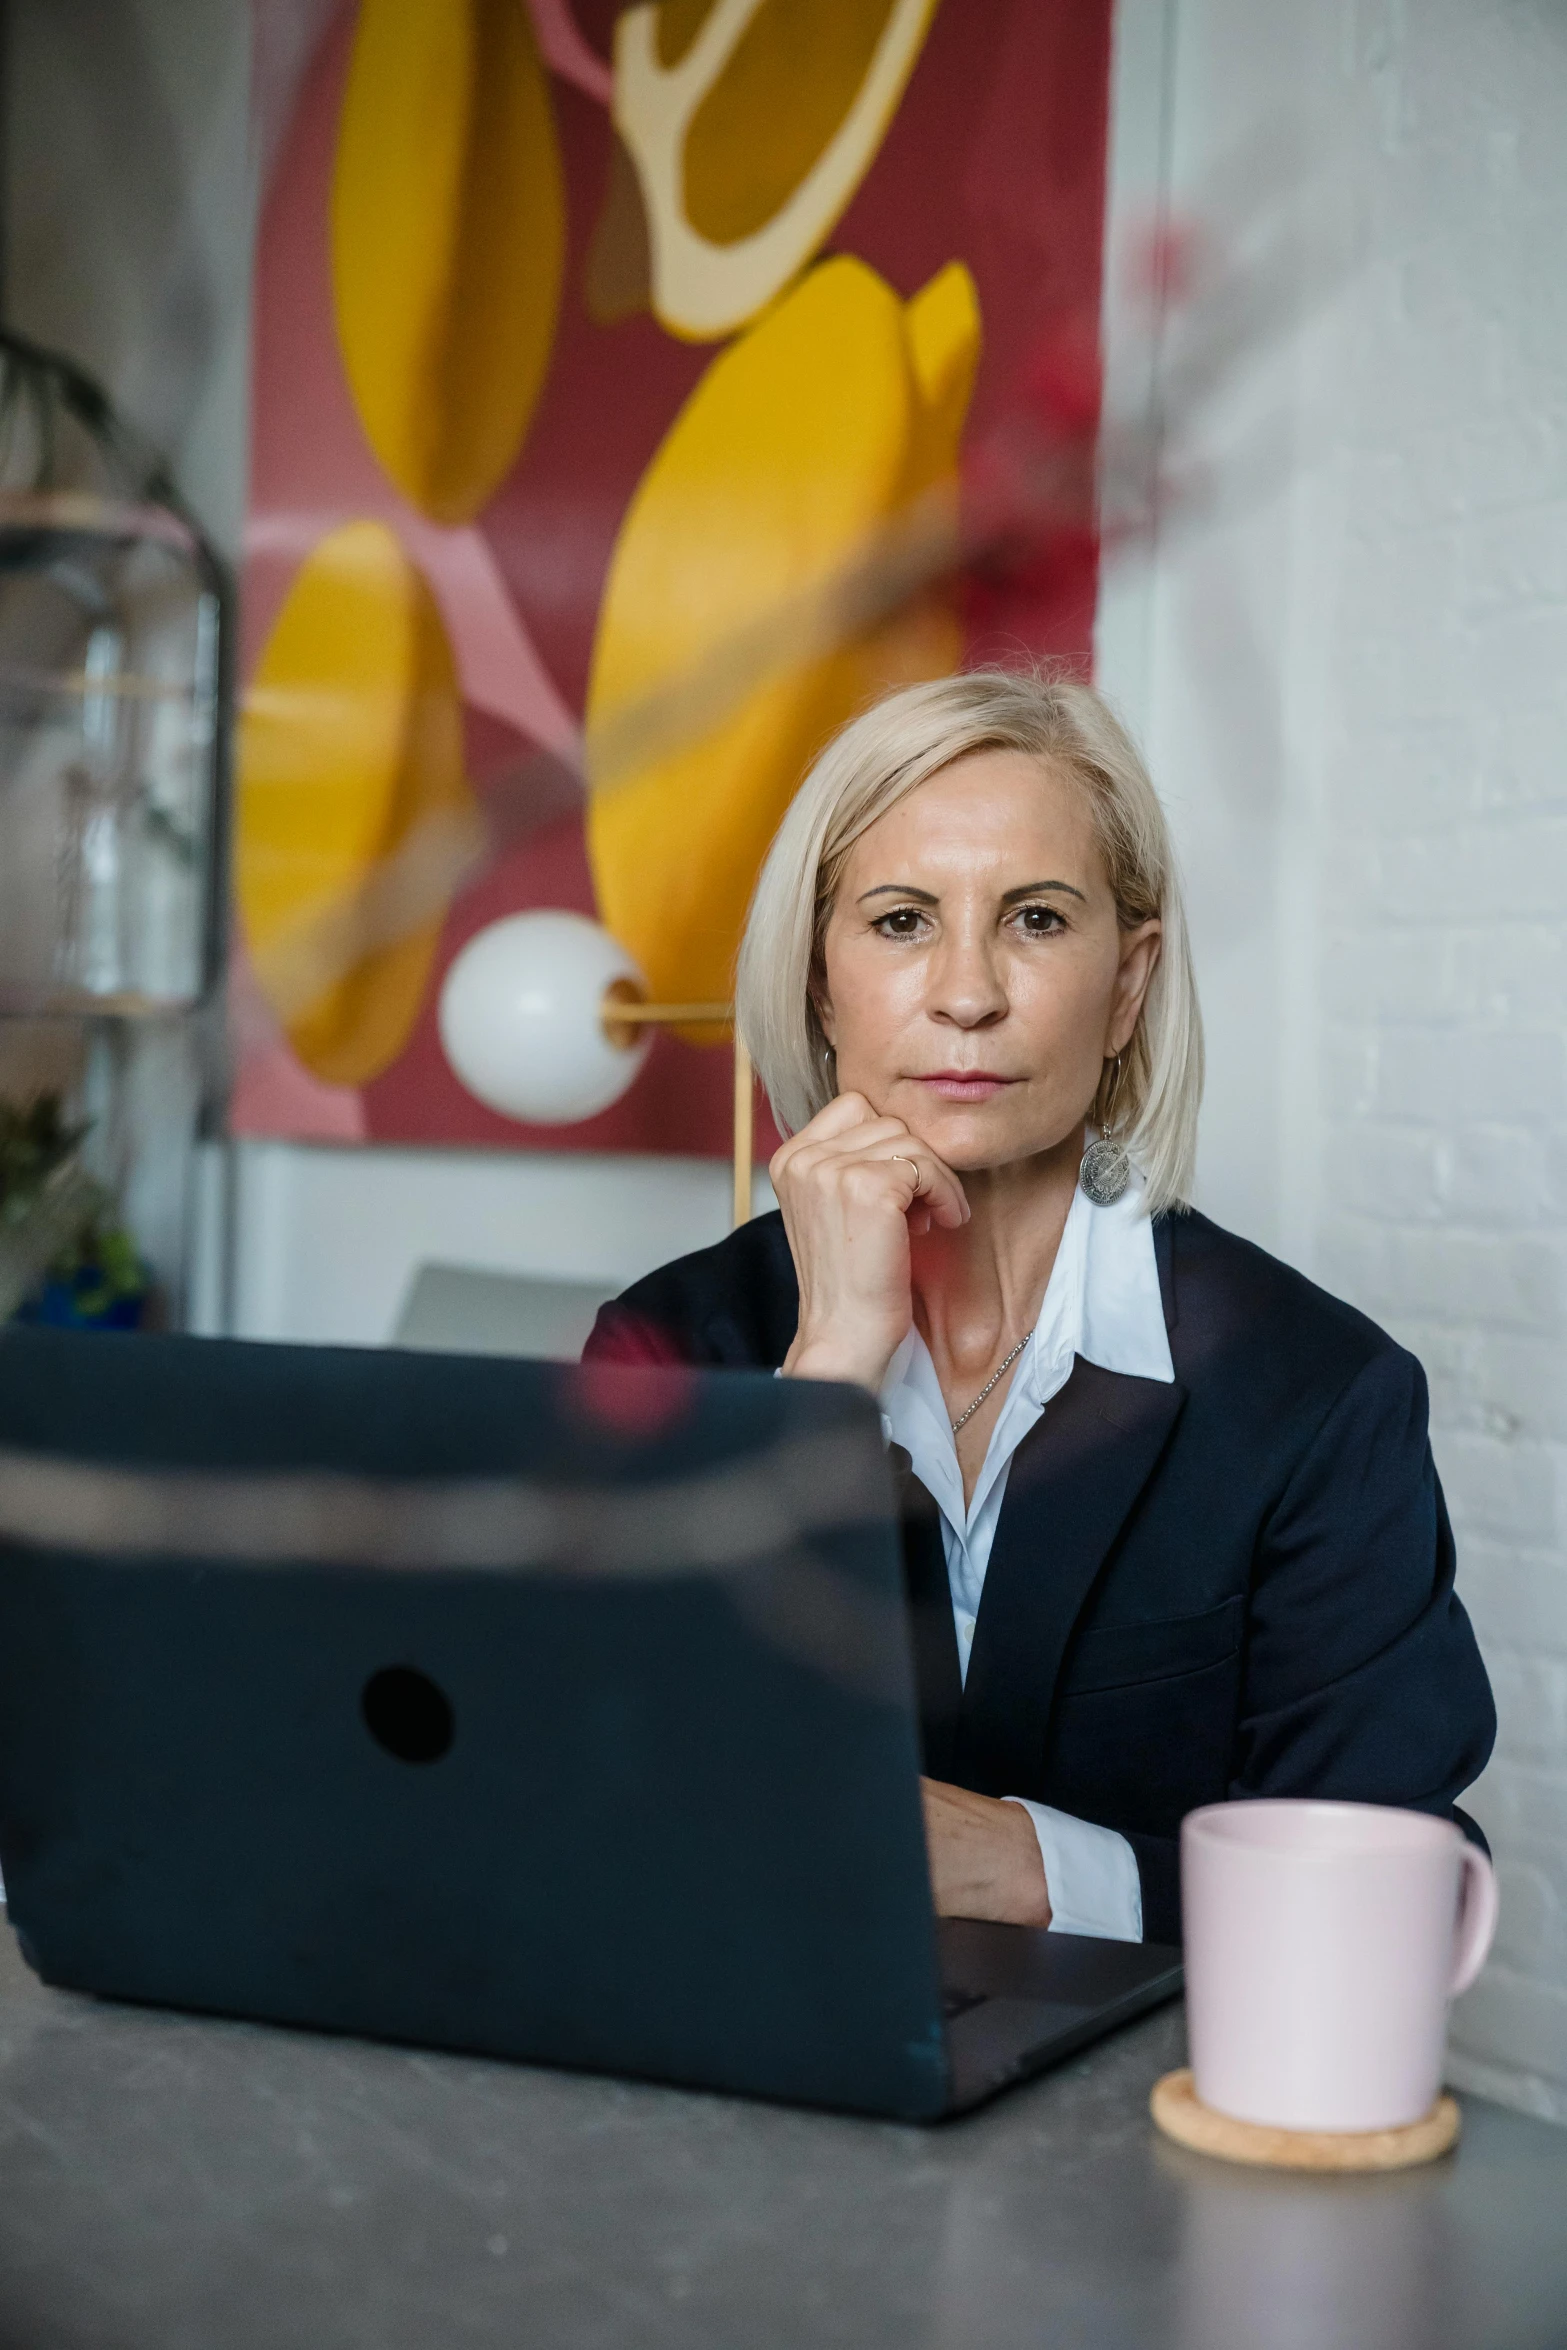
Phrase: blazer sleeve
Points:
(622, 1335)
(1362, 1680)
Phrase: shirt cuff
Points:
(1091, 1874)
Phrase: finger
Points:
(843, 1114)
(812, 1150)
(939, 1193)
(873, 1138)
(891, 1156)
(946, 1197)
(857, 1123)
(832, 1146)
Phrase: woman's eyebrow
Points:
(926, 897)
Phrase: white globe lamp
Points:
(523, 1018)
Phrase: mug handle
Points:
(1477, 1915)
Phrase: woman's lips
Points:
(965, 1085)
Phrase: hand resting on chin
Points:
(852, 1186)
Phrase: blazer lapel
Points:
(1164, 1259)
(932, 1636)
(1073, 1480)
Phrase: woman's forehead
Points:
(989, 809)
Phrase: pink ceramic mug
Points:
(1323, 1943)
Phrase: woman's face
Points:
(976, 976)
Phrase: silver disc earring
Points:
(1106, 1170)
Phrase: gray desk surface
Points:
(168, 2184)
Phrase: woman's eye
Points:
(902, 922)
(1038, 921)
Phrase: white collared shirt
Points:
(1102, 1303)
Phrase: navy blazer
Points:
(1241, 1584)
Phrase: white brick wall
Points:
(1402, 1128)
(1442, 877)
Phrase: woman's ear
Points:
(1139, 959)
(821, 1004)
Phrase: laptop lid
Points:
(554, 1712)
(459, 1309)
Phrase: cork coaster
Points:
(1181, 2115)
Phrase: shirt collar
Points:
(1102, 1302)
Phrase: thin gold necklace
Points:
(964, 1417)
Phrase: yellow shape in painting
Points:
(351, 797)
(448, 240)
(751, 123)
(800, 443)
(943, 329)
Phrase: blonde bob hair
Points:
(876, 761)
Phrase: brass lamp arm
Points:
(629, 1014)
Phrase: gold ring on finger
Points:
(902, 1158)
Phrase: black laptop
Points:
(552, 1712)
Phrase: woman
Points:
(1172, 1525)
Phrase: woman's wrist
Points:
(1027, 1892)
(826, 1356)
(985, 1860)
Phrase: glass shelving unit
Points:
(114, 641)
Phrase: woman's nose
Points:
(966, 985)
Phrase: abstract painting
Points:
(592, 346)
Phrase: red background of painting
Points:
(996, 156)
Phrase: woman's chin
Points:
(971, 1137)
